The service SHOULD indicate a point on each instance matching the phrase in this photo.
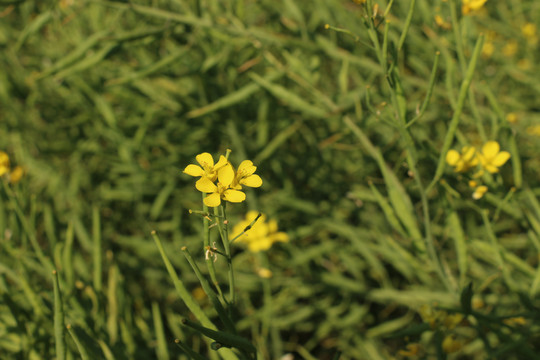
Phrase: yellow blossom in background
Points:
(359, 2)
(261, 236)
(479, 192)
(534, 130)
(510, 49)
(221, 191)
(464, 161)
(4, 163)
(451, 345)
(264, 273)
(491, 158)
(489, 47)
(519, 320)
(12, 176)
(512, 118)
(524, 64)
(245, 175)
(16, 174)
(442, 23)
(410, 350)
(529, 31)
(468, 6)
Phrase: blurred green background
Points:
(105, 102)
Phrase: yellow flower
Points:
(468, 6)
(492, 158)
(442, 23)
(16, 174)
(207, 169)
(451, 345)
(452, 320)
(264, 273)
(261, 236)
(410, 350)
(245, 175)
(464, 161)
(512, 118)
(534, 130)
(4, 163)
(221, 191)
(528, 30)
(519, 320)
(510, 49)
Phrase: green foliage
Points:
(104, 102)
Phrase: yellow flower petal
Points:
(252, 181)
(222, 162)
(501, 158)
(490, 149)
(194, 170)
(205, 159)
(280, 236)
(212, 200)
(246, 168)
(16, 175)
(205, 185)
(234, 196)
(452, 157)
(491, 169)
(226, 175)
(4, 163)
(468, 153)
(479, 192)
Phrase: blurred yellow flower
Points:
(264, 273)
(221, 191)
(534, 130)
(410, 350)
(510, 49)
(16, 174)
(464, 161)
(442, 23)
(491, 158)
(12, 176)
(261, 236)
(451, 345)
(529, 31)
(468, 6)
(479, 192)
(245, 175)
(4, 163)
(512, 118)
(519, 320)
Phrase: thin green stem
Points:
(210, 292)
(59, 334)
(408, 21)
(180, 288)
(452, 127)
(457, 35)
(206, 242)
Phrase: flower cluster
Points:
(261, 235)
(229, 181)
(469, 6)
(12, 176)
(490, 158)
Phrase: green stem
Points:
(209, 259)
(452, 128)
(58, 320)
(180, 288)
